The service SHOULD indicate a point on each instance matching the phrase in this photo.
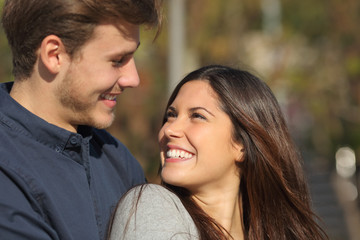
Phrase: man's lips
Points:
(110, 97)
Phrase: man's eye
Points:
(118, 63)
(121, 61)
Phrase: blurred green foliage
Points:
(312, 64)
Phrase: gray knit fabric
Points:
(157, 215)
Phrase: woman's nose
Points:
(173, 129)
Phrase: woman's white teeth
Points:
(176, 153)
(108, 97)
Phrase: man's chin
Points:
(102, 123)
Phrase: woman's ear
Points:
(239, 151)
(241, 155)
(51, 51)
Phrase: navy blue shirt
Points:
(55, 184)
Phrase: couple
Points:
(228, 166)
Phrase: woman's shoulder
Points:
(150, 187)
(153, 194)
(151, 211)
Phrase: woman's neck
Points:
(225, 207)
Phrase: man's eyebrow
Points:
(132, 52)
(138, 45)
(125, 54)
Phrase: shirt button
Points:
(58, 149)
(73, 140)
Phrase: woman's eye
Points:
(170, 114)
(198, 115)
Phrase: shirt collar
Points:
(23, 121)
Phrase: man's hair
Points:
(28, 22)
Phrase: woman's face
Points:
(197, 151)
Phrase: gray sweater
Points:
(157, 214)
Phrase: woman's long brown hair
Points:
(274, 193)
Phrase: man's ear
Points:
(52, 52)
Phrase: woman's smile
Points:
(176, 155)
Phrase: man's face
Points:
(101, 71)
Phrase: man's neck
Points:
(38, 98)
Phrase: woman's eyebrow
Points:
(201, 108)
(171, 108)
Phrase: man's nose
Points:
(129, 76)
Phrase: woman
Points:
(229, 168)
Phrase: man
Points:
(60, 175)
